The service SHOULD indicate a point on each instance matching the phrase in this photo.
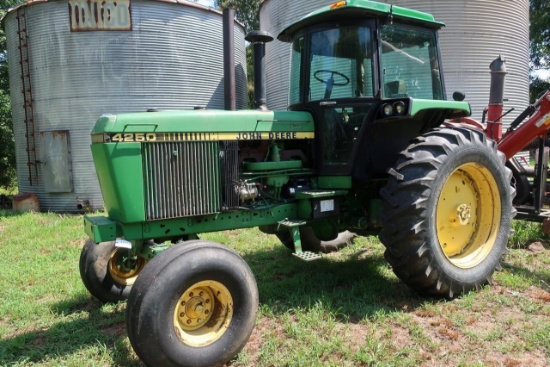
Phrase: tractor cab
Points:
(357, 65)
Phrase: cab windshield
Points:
(340, 64)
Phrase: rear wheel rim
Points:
(468, 215)
(203, 313)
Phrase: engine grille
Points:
(230, 168)
(182, 179)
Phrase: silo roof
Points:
(181, 2)
(358, 8)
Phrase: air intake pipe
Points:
(258, 40)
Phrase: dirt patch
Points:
(536, 248)
(538, 294)
(76, 243)
(116, 330)
(5, 321)
(489, 330)
(484, 332)
(265, 328)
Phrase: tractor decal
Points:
(175, 137)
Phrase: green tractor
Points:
(369, 144)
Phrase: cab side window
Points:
(410, 63)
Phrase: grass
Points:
(347, 309)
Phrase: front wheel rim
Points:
(203, 313)
(123, 270)
(468, 215)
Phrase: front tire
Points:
(448, 212)
(195, 304)
(106, 271)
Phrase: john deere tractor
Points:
(369, 143)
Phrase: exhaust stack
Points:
(229, 84)
(496, 98)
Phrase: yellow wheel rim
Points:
(468, 215)
(203, 313)
(120, 271)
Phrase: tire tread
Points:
(405, 212)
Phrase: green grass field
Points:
(347, 309)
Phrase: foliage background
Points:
(540, 46)
(7, 148)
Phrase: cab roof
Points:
(359, 9)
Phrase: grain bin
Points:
(71, 61)
(476, 33)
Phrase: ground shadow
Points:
(351, 290)
(104, 328)
(6, 213)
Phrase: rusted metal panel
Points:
(56, 164)
(26, 203)
(100, 15)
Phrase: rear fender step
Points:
(307, 255)
(294, 228)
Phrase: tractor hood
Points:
(202, 125)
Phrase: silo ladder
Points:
(27, 94)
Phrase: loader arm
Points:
(536, 126)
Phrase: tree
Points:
(540, 34)
(7, 146)
(540, 45)
(537, 86)
(246, 11)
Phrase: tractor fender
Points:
(466, 122)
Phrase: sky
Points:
(205, 2)
(543, 74)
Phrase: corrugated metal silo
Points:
(476, 33)
(78, 59)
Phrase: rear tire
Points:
(310, 241)
(448, 211)
(195, 304)
(520, 183)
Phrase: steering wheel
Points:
(330, 81)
